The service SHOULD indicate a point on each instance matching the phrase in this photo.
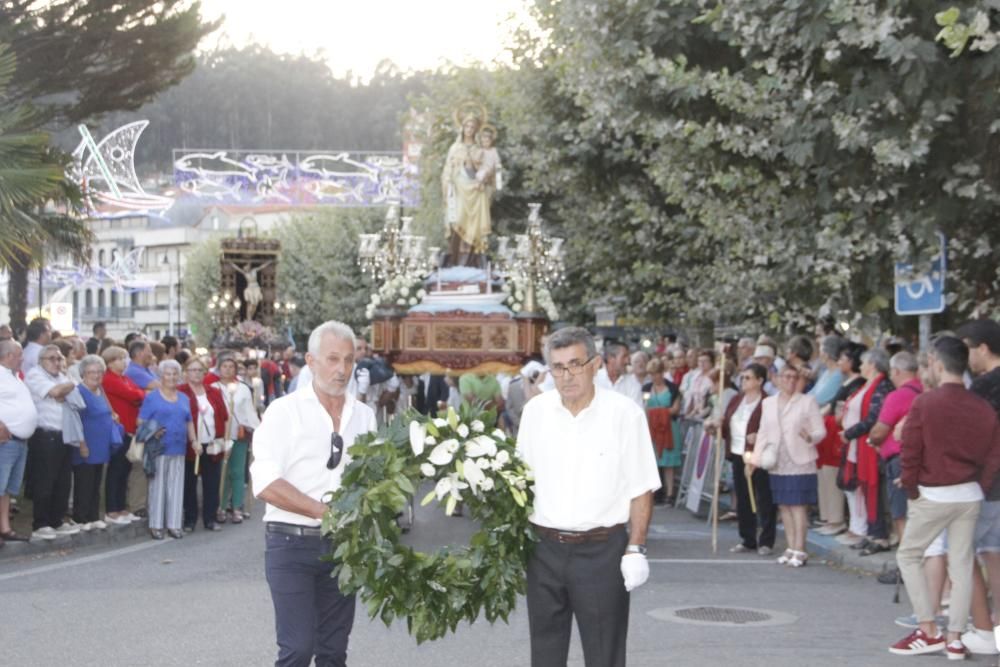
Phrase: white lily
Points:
(427, 469)
(418, 435)
(503, 457)
(473, 474)
(440, 423)
(481, 445)
(440, 456)
(450, 485)
(429, 440)
(463, 431)
(487, 484)
(478, 426)
(451, 445)
(499, 434)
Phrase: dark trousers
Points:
(116, 478)
(585, 581)
(311, 616)
(51, 478)
(879, 528)
(209, 472)
(87, 492)
(766, 518)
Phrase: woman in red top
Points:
(125, 397)
(209, 414)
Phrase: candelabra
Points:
(395, 250)
(283, 312)
(223, 308)
(535, 258)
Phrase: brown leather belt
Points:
(578, 536)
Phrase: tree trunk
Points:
(17, 293)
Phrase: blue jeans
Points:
(311, 615)
(13, 456)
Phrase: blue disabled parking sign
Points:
(921, 293)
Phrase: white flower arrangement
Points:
(514, 287)
(403, 290)
(461, 464)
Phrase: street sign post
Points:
(922, 293)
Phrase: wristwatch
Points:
(636, 549)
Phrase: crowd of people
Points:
(879, 446)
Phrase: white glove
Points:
(364, 380)
(635, 570)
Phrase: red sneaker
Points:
(956, 650)
(918, 643)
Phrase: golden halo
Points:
(470, 108)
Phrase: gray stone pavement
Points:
(203, 601)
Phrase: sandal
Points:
(11, 536)
(237, 517)
(220, 516)
(798, 559)
(785, 557)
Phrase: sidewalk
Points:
(113, 535)
(835, 553)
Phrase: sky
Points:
(356, 35)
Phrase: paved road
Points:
(203, 601)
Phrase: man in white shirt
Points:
(595, 471)
(18, 419)
(299, 456)
(614, 375)
(38, 335)
(51, 471)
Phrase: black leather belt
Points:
(293, 529)
(578, 537)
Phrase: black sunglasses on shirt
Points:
(336, 451)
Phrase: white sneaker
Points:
(44, 533)
(67, 529)
(834, 529)
(99, 525)
(116, 520)
(980, 642)
(85, 527)
(132, 518)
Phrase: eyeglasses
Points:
(336, 451)
(573, 368)
(51, 358)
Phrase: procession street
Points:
(205, 602)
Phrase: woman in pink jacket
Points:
(791, 424)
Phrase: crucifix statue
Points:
(252, 294)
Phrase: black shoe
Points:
(176, 534)
(156, 533)
(874, 548)
(141, 513)
(189, 528)
(860, 546)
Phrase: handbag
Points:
(136, 451)
(847, 472)
(769, 457)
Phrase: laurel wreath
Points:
(434, 592)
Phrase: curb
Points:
(112, 535)
(835, 553)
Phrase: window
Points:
(100, 298)
(100, 257)
(89, 299)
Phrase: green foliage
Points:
(253, 98)
(434, 592)
(82, 58)
(31, 174)
(319, 266)
(741, 163)
(202, 279)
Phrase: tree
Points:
(31, 174)
(82, 58)
(739, 163)
(317, 270)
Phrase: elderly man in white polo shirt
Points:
(17, 422)
(51, 458)
(595, 472)
(299, 456)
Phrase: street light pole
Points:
(170, 295)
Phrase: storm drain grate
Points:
(722, 615)
(730, 616)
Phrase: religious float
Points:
(465, 309)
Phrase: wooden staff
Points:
(718, 455)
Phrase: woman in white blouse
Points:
(791, 422)
(243, 419)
